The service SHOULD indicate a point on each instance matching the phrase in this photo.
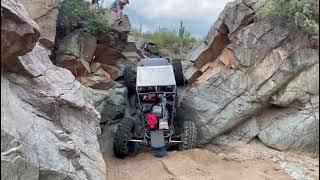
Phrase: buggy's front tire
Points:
(178, 72)
(189, 136)
(122, 136)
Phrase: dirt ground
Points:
(240, 162)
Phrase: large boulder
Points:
(19, 33)
(246, 67)
(123, 27)
(95, 81)
(190, 71)
(57, 136)
(235, 15)
(123, 63)
(227, 98)
(244, 133)
(292, 128)
(113, 70)
(252, 43)
(106, 54)
(110, 53)
(83, 54)
(48, 130)
(280, 128)
(111, 103)
(17, 161)
(45, 13)
(299, 61)
(114, 65)
(220, 104)
(75, 52)
(299, 89)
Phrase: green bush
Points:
(77, 14)
(168, 41)
(303, 13)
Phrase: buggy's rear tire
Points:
(178, 72)
(189, 136)
(122, 136)
(129, 76)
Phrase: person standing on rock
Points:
(117, 7)
(95, 2)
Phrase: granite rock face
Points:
(292, 128)
(75, 53)
(48, 129)
(44, 111)
(19, 33)
(245, 69)
(110, 103)
(44, 13)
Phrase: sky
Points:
(197, 15)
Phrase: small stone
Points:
(223, 156)
(275, 159)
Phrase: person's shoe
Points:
(159, 152)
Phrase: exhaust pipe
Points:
(176, 141)
(134, 140)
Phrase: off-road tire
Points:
(189, 136)
(178, 72)
(122, 137)
(129, 76)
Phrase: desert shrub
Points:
(168, 41)
(78, 14)
(304, 14)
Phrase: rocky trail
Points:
(252, 90)
(241, 162)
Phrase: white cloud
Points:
(177, 9)
(197, 15)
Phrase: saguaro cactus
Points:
(181, 36)
(140, 31)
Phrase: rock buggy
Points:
(150, 50)
(156, 94)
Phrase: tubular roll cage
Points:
(168, 133)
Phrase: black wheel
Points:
(189, 136)
(129, 76)
(121, 144)
(178, 72)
